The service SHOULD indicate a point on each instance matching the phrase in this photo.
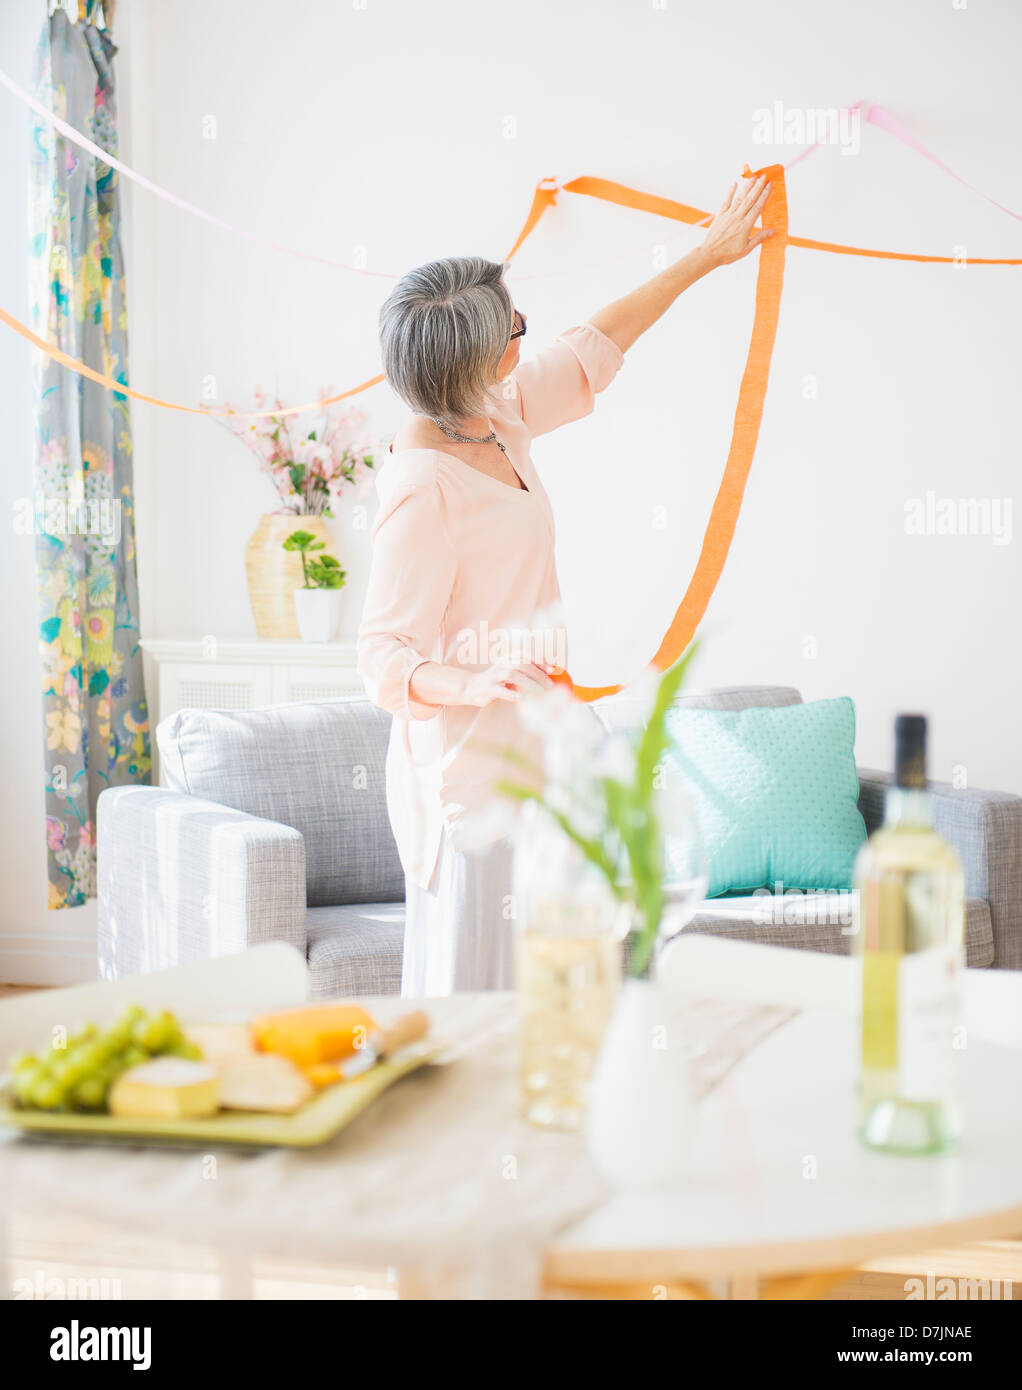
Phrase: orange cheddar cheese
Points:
(318, 1033)
(322, 1074)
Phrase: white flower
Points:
(313, 451)
(641, 693)
(565, 725)
(616, 759)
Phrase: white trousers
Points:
(458, 931)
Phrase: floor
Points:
(116, 1264)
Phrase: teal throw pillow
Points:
(775, 791)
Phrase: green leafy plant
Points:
(321, 571)
(629, 848)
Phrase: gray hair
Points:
(443, 330)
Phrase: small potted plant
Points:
(318, 601)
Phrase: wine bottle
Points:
(909, 931)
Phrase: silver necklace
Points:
(490, 438)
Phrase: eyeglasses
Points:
(519, 332)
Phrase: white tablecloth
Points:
(439, 1178)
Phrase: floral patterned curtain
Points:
(96, 719)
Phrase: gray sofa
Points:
(272, 826)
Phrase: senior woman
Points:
(463, 549)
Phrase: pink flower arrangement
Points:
(310, 468)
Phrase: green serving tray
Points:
(318, 1120)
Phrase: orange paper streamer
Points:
(723, 519)
(120, 389)
(619, 193)
(720, 528)
(545, 196)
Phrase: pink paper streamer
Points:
(84, 143)
(873, 115)
(883, 120)
(876, 115)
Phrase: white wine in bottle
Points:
(909, 931)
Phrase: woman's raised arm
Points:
(729, 237)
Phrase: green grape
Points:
(90, 1056)
(174, 1034)
(153, 1034)
(90, 1094)
(25, 1083)
(45, 1072)
(47, 1094)
(111, 1043)
(109, 1071)
(75, 1069)
(119, 1035)
(58, 1070)
(81, 1073)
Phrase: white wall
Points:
(419, 130)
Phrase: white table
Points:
(780, 1184)
(443, 1181)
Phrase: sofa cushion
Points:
(355, 949)
(775, 793)
(317, 767)
(817, 922)
(624, 712)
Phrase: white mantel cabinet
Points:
(212, 673)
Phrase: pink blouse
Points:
(459, 560)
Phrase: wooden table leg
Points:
(795, 1286)
(743, 1287)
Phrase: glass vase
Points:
(275, 573)
(569, 930)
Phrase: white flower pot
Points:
(640, 1107)
(318, 612)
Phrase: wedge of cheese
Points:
(219, 1041)
(167, 1088)
(322, 1074)
(262, 1081)
(319, 1033)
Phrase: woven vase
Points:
(275, 573)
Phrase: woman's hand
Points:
(504, 682)
(730, 235)
(728, 238)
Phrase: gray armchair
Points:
(273, 826)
